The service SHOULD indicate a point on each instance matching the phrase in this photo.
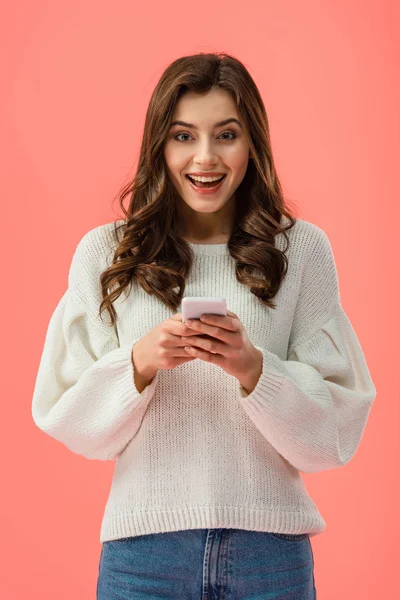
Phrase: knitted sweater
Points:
(193, 449)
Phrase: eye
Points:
(229, 133)
(177, 136)
(223, 133)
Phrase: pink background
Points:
(77, 78)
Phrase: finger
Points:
(208, 344)
(209, 357)
(177, 317)
(225, 322)
(180, 352)
(232, 314)
(175, 326)
(216, 331)
(174, 340)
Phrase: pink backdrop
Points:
(77, 77)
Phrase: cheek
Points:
(176, 162)
(239, 168)
(237, 158)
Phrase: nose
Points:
(205, 154)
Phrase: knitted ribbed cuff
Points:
(271, 378)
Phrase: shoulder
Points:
(95, 250)
(102, 238)
(318, 268)
(306, 232)
(318, 251)
(307, 241)
(314, 237)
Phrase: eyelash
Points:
(186, 133)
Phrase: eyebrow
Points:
(220, 124)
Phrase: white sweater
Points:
(193, 450)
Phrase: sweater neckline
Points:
(217, 249)
(210, 249)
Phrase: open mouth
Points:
(206, 185)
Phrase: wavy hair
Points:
(151, 251)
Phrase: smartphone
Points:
(195, 306)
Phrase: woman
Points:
(210, 425)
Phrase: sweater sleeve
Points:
(314, 406)
(85, 395)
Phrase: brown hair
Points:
(151, 252)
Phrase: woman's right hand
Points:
(161, 348)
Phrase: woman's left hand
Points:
(228, 347)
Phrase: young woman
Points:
(211, 424)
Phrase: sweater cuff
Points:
(125, 354)
(271, 379)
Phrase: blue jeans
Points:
(207, 564)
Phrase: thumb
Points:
(177, 316)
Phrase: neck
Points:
(222, 238)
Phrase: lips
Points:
(206, 190)
(223, 175)
(206, 174)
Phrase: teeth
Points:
(205, 179)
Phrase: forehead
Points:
(205, 109)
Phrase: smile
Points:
(205, 188)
